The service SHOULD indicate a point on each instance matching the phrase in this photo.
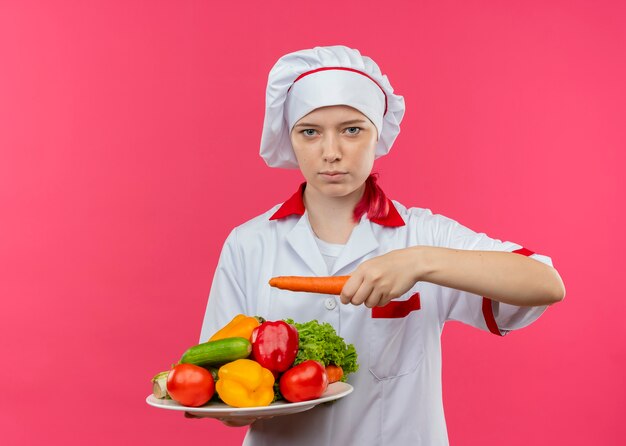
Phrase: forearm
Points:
(503, 276)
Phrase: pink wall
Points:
(129, 135)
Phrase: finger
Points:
(351, 286)
(384, 300)
(373, 299)
(362, 293)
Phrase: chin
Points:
(336, 189)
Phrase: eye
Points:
(353, 130)
(305, 132)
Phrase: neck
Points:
(332, 218)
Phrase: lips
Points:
(333, 176)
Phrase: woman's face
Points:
(335, 147)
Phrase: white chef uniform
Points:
(397, 398)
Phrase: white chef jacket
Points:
(397, 398)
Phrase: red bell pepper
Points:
(275, 345)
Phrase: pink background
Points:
(129, 135)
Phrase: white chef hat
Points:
(308, 79)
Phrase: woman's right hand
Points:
(230, 421)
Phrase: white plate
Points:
(220, 410)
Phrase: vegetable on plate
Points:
(190, 385)
(275, 345)
(217, 352)
(244, 383)
(334, 373)
(320, 342)
(306, 381)
(159, 385)
(240, 326)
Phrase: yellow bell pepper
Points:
(241, 326)
(244, 383)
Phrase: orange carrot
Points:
(334, 373)
(322, 285)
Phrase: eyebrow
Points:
(353, 121)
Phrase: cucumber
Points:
(213, 370)
(217, 352)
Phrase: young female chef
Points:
(330, 112)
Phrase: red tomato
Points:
(190, 385)
(306, 381)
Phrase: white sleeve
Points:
(480, 311)
(226, 298)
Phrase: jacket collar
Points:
(301, 238)
(295, 206)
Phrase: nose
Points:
(330, 149)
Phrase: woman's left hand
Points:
(379, 280)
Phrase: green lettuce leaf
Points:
(321, 342)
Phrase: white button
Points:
(330, 303)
